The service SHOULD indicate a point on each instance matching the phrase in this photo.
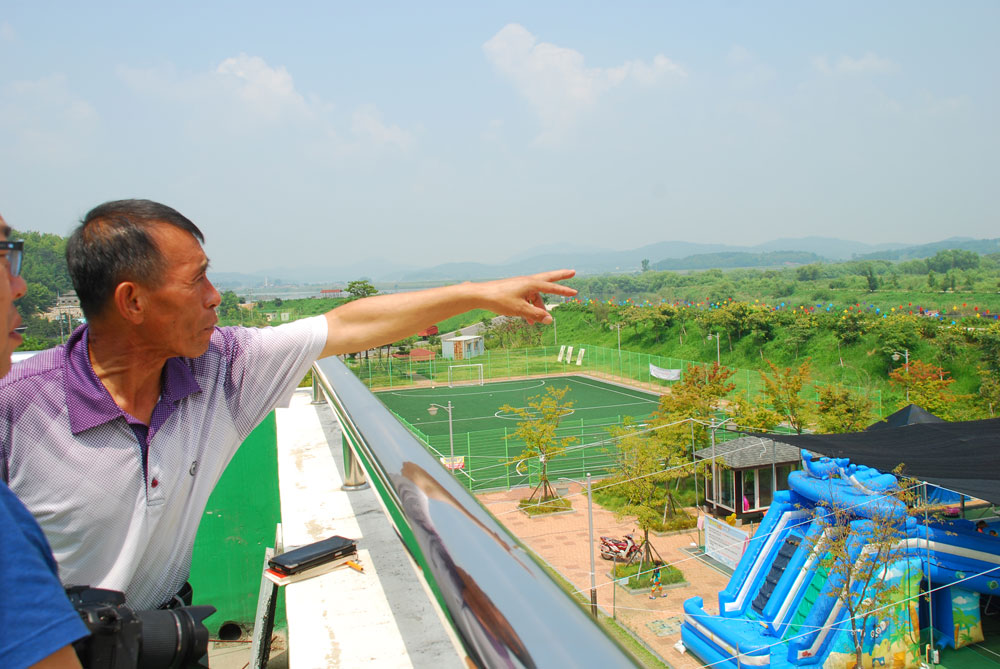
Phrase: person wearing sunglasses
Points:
(37, 621)
(134, 419)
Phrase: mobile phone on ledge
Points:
(313, 555)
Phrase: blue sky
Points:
(326, 133)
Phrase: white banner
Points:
(723, 542)
(665, 374)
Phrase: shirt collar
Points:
(89, 403)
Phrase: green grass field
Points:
(481, 430)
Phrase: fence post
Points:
(468, 459)
(506, 451)
(390, 367)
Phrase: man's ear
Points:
(130, 302)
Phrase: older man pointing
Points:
(115, 440)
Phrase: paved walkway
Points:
(562, 541)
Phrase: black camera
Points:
(121, 638)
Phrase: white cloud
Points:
(7, 34)
(245, 95)
(947, 106)
(869, 63)
(367, 123)
(267, 91)
(748, 72)
(555, 80)
(738, 54)
(45, 121)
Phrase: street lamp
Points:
(718, 359)
(590, 526)
(432, 410)
(906, 365)
(619, 326)
(713, 426)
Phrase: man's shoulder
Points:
(44, 365)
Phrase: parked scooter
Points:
(620, 550)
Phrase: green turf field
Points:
(480, 428)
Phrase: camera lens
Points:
(173, 637)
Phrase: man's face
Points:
(11, 288)
(180, 316)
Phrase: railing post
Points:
(317, 393)
(354, 473)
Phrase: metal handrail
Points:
(502, 605)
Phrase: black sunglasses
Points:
(12, 253)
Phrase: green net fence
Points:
(489, 459)
(621, 365)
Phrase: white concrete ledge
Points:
(381, 618)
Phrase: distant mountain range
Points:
(592, 260)
(981, 246)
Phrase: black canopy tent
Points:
(963, 457)
(911, 414)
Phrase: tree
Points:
(633, 315)
(696, 396)
(510, 333)
(897, 333)
(361, 288)
(537, 429)
(800, 331)
(405, 344)
(927, 386)
(783, 389)
(756, 418)
(644, 466)
(228, 308)
(872, 280)
(856, 555)
(989, 389)
(645, 264)
(662, 317)
(840, 410)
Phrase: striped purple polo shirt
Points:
(119, 502)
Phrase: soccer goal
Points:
(465, 375)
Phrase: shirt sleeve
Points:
(36, 618)
(265, 365)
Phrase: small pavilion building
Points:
(746, 473)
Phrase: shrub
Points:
(669, 575)
(548, 505)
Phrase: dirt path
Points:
(562, 541)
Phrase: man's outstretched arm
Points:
(383, 319)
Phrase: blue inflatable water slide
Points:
(782, 609)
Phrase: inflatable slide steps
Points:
(756, 565)
(774, 574)
(813, 592)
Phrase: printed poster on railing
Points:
(665, 374)
(723, 542)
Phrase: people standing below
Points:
(134, 419)
(657, 586)
(37, 621)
